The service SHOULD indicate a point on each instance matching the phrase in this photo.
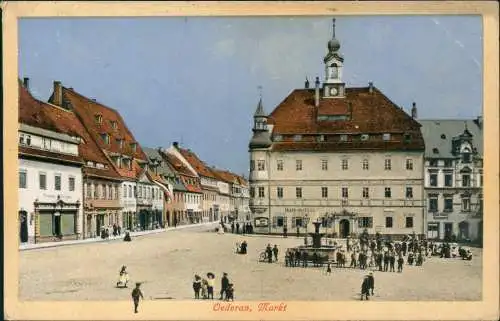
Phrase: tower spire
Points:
(333, 34)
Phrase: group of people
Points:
(244, 228)
(204, 287)
(105, 231)
(297, 258)
(272, 252)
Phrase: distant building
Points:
(208, 183)
(454, 178)
(347, 157)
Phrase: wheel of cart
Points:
(262, 256)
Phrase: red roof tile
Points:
(198, 165)
(47, 116)
(366, 113)
(87, 110)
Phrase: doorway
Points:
(448, 231)
(57, 225)
(463, 228)
(344, 228)
(23, 232)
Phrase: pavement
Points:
(165, 264)
(33, 246)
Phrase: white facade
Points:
(383, 189)
(50, 194)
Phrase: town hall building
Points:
(347, 157)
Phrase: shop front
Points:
(56, 221)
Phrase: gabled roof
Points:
(439, 133)
(47, 116)
(198, 165)
(87, 110)
(178, 165)
(164, 168)
(366, 113)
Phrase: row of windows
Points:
(142, 192)
(365, 165)
(101, 191)
(363, 222)
(209, 197)
(448, 204)
(42, 181)
(324, 192)
(448, 180)
(341, 137)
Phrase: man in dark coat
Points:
(386, 261)
(232, 227)
(371, 282)
(365, 289)
(237, 228)
(136, 295)
(224, 285)
(392, 260)
(401, 261)
(285, 231)
(275, 252)
(404, 248)
(269, 252)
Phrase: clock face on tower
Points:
(334, 91)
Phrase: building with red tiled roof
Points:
(52, 136)
(208, 181)
(193, 197)
(348, 157)
(112, 136)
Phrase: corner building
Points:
(347, 157)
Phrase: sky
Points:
(196, 80)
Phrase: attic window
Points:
(443, 136)
(105, 137)
(120, 142)
(321, 138)
(98, 118)
(407, 138)
(343, 138)
(133, 146)
(386, 136)
(297, 138)
(435, 151)
(114, 124)
(364, 137)
(278, 138)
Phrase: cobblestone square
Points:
(167, 262)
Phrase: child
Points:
(204, 289)
(400, 263)
(329, 269)
(197, 286)
(136, 295)
(230, 292)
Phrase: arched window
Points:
(334, 71)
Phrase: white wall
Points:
(32, 191)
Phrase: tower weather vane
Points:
(260, 91)
(333, 34)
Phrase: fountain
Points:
(316, 236)
(325, 251)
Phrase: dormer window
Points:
(407, 138)
(466, 156)
(443, 136)
(297, 138)
(98, 118)
(364, 137)
(343, 138)
(386, 137)
(321, 138)
(120, 142)
(114, 124)
(133, 146)
(435, 151)
(278, 138)
(105, 137)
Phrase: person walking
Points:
(197, 286)
(224, 285)
(328, 269)
(386, 261)
(371, 282)
(365, 288)
(275, 252)
(232, 227)
(237, 228)
(285, 231)
(136, 295)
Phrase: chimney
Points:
(414, 111)
(176, 145)
(307, 83)
(370, 87)
(26, 83)
(316, 94)
(57, 99)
